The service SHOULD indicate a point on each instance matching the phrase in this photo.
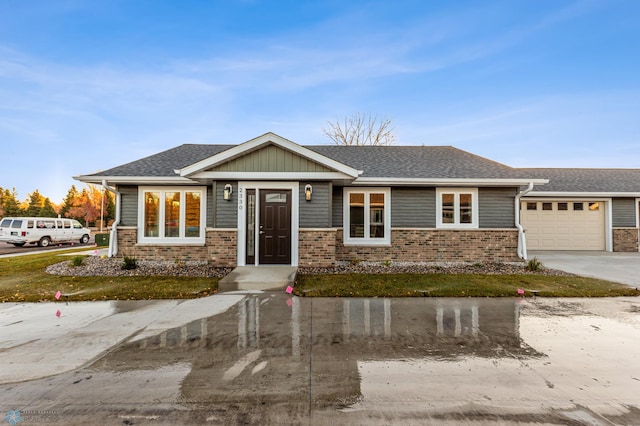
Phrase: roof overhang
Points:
(575, 194)
(446, 181)
(199, 170)
(136, 180)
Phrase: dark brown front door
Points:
(275, 227)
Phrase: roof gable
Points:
(268, 153)
(270, 158)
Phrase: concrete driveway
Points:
(618, 267)
(270, 358)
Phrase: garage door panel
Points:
(564, 229)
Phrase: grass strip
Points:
(23, 279)
(455, 285)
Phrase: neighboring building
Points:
(272, 201)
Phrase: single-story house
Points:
(272, 201)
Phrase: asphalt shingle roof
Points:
(416, 162)
(587, 180)
(164, 163)
(374, 161)
(420, 162)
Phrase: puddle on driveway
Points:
(278, 359)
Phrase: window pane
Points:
(376, 215)
(356, 215)
(251, 223)
(465, 208)
(192, 214)
(276, 198)
(151, 214)
(447, 208)
(562, 206)
(532, 206)
(594, 207)
(578, 206)
(172, 214)
(547, 206)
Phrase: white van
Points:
(42, 231)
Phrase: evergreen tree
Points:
(70, 200)
(10, 205)
(36, 203)
(47, 209)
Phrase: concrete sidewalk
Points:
(623, 268)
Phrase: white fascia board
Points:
(557, 194)
(253, 144)
(447, 181)
(139, 180)
(258, 176)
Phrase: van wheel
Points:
(18, 244)
(84, 239)
(44, 242)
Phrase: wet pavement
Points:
(270, 358)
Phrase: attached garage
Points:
(564, 224)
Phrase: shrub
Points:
(77, 261)
(534, 265)
(129, 263)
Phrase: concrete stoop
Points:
(258, 278)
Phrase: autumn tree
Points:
(360, 129)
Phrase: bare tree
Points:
(360, 129)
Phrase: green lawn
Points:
(455, 285)
(23, 279)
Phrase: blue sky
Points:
(88, 85)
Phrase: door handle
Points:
(261, 232)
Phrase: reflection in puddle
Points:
(271, 349)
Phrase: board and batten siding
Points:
(317, 212)
(413, 207)
(496, 207)
(623, 212)
(226, 212)
(271, 159)
(129, 205)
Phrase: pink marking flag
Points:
(520, 291)
(289, 289)
(58, 313)
(58, 294)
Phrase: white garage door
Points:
(564, 225)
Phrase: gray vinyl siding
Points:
(336, 207)
(496, 207)
(317, 212)
(623, 211)
(413, 208)
(129, 206)
(226, 215)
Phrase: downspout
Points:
(113, 238)
(522, 240)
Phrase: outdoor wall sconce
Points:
(307, 192)
(228, 190)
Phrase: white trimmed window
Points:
(456, 207)
(367, 216)
(171, 215)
